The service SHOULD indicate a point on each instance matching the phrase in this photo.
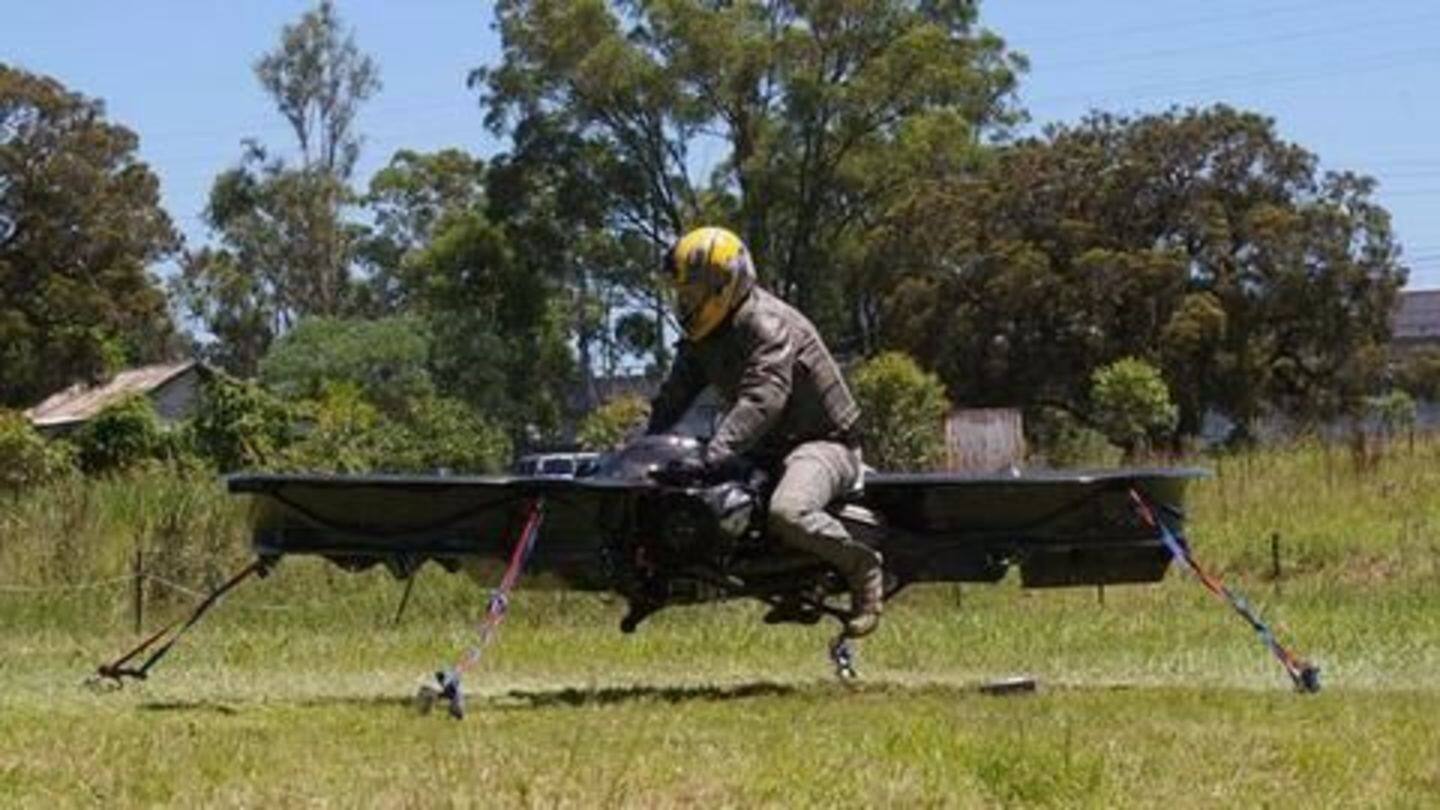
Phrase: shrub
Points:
(238, 425)
(343, 433)
(120, 436)
(446, 434)
(903, 412)
(1394, 412)
(1064, 441)
(608, 425)
(1131, 403)
(1417, 373)
(26, 458)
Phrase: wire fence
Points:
(70, 587)
(132, 580)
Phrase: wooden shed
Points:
(173, 388)
(984, 440)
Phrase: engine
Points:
(678, 526)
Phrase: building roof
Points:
(637, 385)
(80, 402)
(1417, 316)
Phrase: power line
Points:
(1248, 15)
(1230, 44)
(1379, 61)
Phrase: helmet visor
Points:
(689, 299)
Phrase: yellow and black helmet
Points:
(712, 273)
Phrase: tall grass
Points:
(1333, 521)
(1337, 518)
(81, 530)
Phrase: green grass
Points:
(295, 693)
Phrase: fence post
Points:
(138, 579)
(1275, 570)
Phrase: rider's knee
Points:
(787, 515)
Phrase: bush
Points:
(1064, 441)
(26, 458)
(346, 433)
(607, 426)
(1131, 404)
(1394, 412)
(1417, 373)
(902, 413)
(237, 426)
(446, 434)
(343, 433)
(122, 435)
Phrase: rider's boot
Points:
(867, 595)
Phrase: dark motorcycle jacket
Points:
(781, 384)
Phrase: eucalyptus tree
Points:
(285, 248)
(795, 122)
(80, 226)
(1197, 240)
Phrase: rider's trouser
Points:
(816, 473)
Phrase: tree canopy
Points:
(1198, 240)
(820, 112)
(80, 225)
(285, 247)
(868, 152)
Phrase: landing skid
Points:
(446, 686)
(843, 654)
(804, 608)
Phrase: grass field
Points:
(296, 692)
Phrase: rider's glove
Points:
(682, 472)
(700, 470)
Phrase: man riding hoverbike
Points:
(789, 409)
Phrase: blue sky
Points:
(1355, 83)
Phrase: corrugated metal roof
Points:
(80, 402)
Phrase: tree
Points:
(286, 250)
(1394, 412)
(318, 79)
(635, 333)
(500, 341)
(819, 107)
(410, 199)
(385, 359)
(345, 433)
(556, 193)
(902, 410)
(1199, 238)
(80, 223)
(1131, 404)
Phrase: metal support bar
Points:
(446, 683)
(405, 598)
(116, 671)
(1304, 675)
